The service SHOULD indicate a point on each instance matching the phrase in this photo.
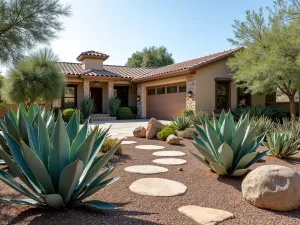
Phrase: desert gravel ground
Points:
(204, 189)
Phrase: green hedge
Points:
(67, 114)
(125, 113)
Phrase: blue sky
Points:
(188, 28)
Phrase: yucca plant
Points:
(263, 124)
(100, 131)
(228, 148)
(292, 127)
(182, 122)
(198, 116)
(281, 145)
(57, 171)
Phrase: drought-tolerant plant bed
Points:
(204, 189)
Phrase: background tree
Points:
(271, 59)
(37, 78)
(25, 23)
(150, 57)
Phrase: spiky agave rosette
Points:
(228, 148)
(57, 170)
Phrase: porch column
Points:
(191, 86)
(110, 89)
(139, 101)
(86, 88)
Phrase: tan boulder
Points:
(272, 187)
(173, 140)
(153, 127)
(139, 132)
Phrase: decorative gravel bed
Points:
(205, 189)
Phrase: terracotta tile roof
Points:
(187, 65)
(101, 73)
(92, 54)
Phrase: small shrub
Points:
(133, 109)
(290, 127)
(263, 124)
(187, 133)
(113, 105)
(188, 112)
(166, 131)
(67, 114)
(198, 116)
(87, 107)
(125, 113)
(109, 143)
(182, 122)
(281, 145)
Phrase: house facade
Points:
(203, 83)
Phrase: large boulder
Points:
(272, 187)
(173, 140)
(153, 127)
(139, 132)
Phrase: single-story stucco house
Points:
(203, 83)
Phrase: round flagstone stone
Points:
(128, 142)
(169, 161)
(205, 216)
(146, 169)
(157, 187)
(149, 147)
(169, 153)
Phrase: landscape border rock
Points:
(153, 127)
(140, 132)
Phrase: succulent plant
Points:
(59, 170)
(228, 148)
(182, 122)
(281, 145)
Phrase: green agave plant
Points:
(228, 148)
(57, 171)
(182, 122)
(281, 145)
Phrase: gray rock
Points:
(153, 127)
(173, 140)
(272, 187)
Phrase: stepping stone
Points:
(128, 142)
(149, 147)
(205, 216)
(170, 161)
(169, 153)
(157, 187)
(146, 169)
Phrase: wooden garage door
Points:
(166, 102)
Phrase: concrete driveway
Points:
(124, 128)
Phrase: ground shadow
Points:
(235, 182)
(79, 216)
(292, 160)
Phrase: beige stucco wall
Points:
(92, 64)
(205, 83)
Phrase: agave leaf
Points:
(10, 181)
(96, 204)
(239, 137)
(43, 140)
(29, 202)
(216, 123)
(31, 113)
(201, 160)
(286, 147)
(206, 154)
(11, 129)
(23, 124)
(221, 118)
(218, 168)
(231, 123)
(33, 140)
(73, 126)
(81, 136)
(225, 155)
(38, 169)
(12, 116)
(21, 109)
(201, 133)
(259, 156)
(54, 201)
(59, 156)
(69, 179)
(226, 131)
(84, 151)
(212, 137)
(245, 160)
(239, 172)
(102, 176)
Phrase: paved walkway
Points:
(124, 128)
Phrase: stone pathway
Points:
(157, 187)
(170, 161)
(146, 169)
(128, 142)
(149, 147)
(169, 153)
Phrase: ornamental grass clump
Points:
(59, 170)
(228, 148)
(182, 122)
(281, 145)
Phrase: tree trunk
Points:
(292, 107)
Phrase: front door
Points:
(122, 94)
(96, 95)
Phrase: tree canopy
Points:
(150, 57)
(37, 78)
(271, 57)
(25, 23)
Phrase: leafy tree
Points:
(25, 23)
(270, 60)
(151, 57)
(37, 78)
